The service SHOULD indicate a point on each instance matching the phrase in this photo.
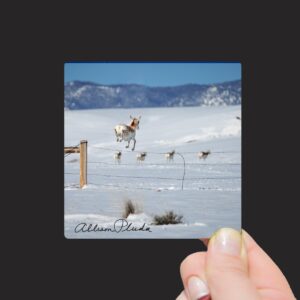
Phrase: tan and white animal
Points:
(203, 154)
(127, 132)
(170, 155)
(141, 156)
(117, 156)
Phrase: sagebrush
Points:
(168, 218)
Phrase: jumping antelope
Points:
(127, 132)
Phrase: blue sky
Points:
(153, 74)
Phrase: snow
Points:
(211, 195)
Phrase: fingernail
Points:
(197, 289)
(228, 241)
(182, 296)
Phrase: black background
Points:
(40, 38)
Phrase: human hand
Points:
(233, 268)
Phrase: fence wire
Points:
(152, 152)
(161, 164)
(140, 188)
(170, 163)
(155, 177)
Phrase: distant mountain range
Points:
(87, 95)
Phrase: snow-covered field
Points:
(211, 195)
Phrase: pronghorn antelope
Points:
(170, 155)
(203, 154)
(141, 156)
(117, 156)
(127, 132)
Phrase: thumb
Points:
(226, 268)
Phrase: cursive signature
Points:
(119, 225)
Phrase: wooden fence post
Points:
(83, 163)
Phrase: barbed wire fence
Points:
(183, 164)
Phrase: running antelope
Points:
(117, 156)
(170, 155)
(203, 154)
(127, 132)
(141, 156)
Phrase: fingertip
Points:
(197, 289)
(193, 264)
(226, 271)
(226, 241)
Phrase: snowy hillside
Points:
(85, 95)
(211, 195)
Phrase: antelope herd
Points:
(169, 156)
(127, 133)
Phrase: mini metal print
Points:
(152, 149)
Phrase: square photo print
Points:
(151, 149)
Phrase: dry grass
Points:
(168, 218)
(130, 208)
